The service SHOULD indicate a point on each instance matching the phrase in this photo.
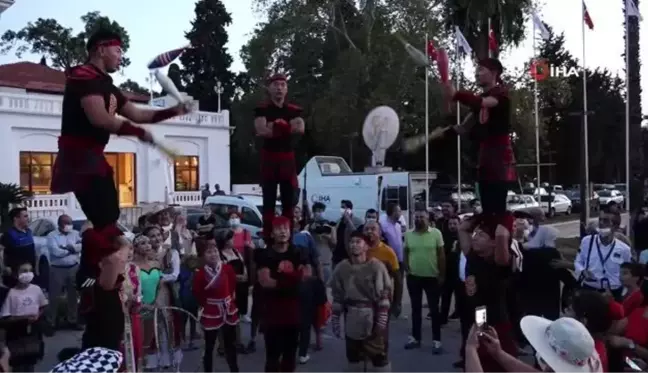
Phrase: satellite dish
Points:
(379, 132)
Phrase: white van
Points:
(250, 213)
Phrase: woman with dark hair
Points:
(229, 255)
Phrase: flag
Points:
(632, 10)
(165, 58)
(431, 51)
(540, 26)
(462, 43)
(586, 17)
(492, 41)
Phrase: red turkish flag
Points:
(443, 65)
(431, 51)
(587, 18)
(492, 41)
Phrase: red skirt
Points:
(77, 162)
(278, 167)
(496, 159)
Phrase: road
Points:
(331, 358)
(570, 229)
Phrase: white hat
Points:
(565, 344)
(92, 360)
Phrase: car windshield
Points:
(605, 193)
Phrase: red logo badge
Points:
(539, 69)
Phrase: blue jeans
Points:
(327, 271)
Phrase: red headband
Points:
(277, 78)
(110, 43)
(279, 221)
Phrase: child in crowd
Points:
(631, 277)
(22, 310)
(214, 286)
(190, 265)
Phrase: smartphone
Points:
(632, 364)
(480, 316)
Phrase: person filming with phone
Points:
(600, 257)
(486, 243)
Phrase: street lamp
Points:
(585, 193)
(219, 91)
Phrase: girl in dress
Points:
(231, 256)
(132, 298)
(215, 290)
(163, 266)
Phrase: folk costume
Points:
(361, 294)
(215, 291)
(278, 166)
(132, 300)
(496, 161)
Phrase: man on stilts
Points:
(491, 110)
(90, 104)
(276, 121)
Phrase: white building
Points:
(30, 121)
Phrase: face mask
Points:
(167, 228)
(478, 210)
(527, 233)
(26, 278)
(343, 210)
(604, 232)
(371, 220)
(67, 228)
(235, 222)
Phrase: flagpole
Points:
(458, 61)
(585, 110)
(151, 87)
(490, 52)
(427, 127)
(627, 111)
(537, 121)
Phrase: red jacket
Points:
(214, 290)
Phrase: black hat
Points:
(103, 37)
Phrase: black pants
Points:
(466, 315)
(416, 286)
(100, 204)
(617, 294)
(229, 337)
(281, 344)
(269, 190)
(308, 313)
(188, 319)
(492, 195)
(449, 287)
(398, 291)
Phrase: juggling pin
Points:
(419, 57)
(169, 87)
(443, 65)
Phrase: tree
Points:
(11, 195)
(208, 60)
(134, 87)
(59, 44)
(637, 173)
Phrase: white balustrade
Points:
(187, 198)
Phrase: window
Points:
(249, 217)
(333, 166)
(223, 211)
(394, 195)
(36, 171)
(185, 170)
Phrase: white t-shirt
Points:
(462, 267)
(24, 302)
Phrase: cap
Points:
(103, 37)
(492, 64)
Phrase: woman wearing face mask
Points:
(22, 310)
(182, 239)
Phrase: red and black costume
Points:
(215, 291)
(280, 311)
(496, 162)
(278, 166)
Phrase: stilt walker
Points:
(90, 104)
(276, 121)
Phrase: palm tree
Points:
(634, 84)
(507, 17)
(11, 194)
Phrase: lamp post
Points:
(585, 193)
(219, 91)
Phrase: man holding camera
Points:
(325, 240)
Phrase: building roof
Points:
(35, 77)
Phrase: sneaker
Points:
(459, 364)
(304, 359)
(454, 316)
(246, 319)
(429, 316)
(436, 347)
(412, 343)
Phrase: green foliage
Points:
(10, 195)
(60, 44)
(208, 61)
(134, 87)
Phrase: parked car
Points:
(251, 218)
(607, 197)
(41, 227)
(574, 196)
(521, 202)
(560, 204)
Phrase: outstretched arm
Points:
(141, 115)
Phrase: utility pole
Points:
(585, 194)
(219, 91)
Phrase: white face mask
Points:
(478, 210)
(604, 232)
(167, 228)
(345, 211)
(26, 278)
(371, 220)
(235, 222)
(67, 228)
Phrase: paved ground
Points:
(331, 358)
(571, 228)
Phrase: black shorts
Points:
(100, 201)
(257, 300)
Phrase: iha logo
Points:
(541, 69)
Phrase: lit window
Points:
(36, 171)
(186, 170)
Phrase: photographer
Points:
(325, 239)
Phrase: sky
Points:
(158, 26)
